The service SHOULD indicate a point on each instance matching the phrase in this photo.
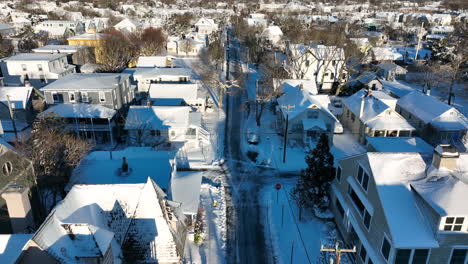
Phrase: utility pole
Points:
(12, 117)
(338, 251)
(288, 110)
(419, 42)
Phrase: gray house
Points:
(90, 102)
(403, 207)
(435, 121)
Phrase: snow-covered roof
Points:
(81, 110)
(444, 190)
(431, 110)
(86, 81)
(11, 246)
(308, 85)
(143, 162)
(88, 36)
(397, 88)
(372, 106)
(388, 66)
(157, 117)
(272, 31)
(34, 57)
(386, 54)
(392, 173)
(154, 61)
(302, 99)
(57, 49)
(156, 72)
(186, 91)
(185, 189)
(399, 144)
(93, 218)
(127, 22)
(367, 77)
(19, 96)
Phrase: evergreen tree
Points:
(313, 186)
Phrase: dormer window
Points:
(454, 224)
(363, 178)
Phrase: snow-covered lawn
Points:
(285, 231)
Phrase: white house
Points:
(390, 71)
(156, 61)
(206, 26)
(60, 28)
(309, 117)
(256, 20)
(372, 114)
(38, 69)
(176, 94)
(323, 64)
(128, 25)
(97, 223)
(189, 46)
(153, 125)
(145, 76)
(273, 34)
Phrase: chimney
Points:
(124, 165)
(19, 208)
(361, 107)
(27, 83)
(446, 156)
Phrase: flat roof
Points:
(34, 57)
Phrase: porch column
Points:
(92, 127)
(110, 132)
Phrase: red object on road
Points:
(278, 186)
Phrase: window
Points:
(102, 97)
(357, 202)
(307, 63)
(58, 98)
(453, 223)
(39, 67)
(459, 256)
(173, 133)
(363, 253)
(42, 77)
(23, 66)
(403, 256)
(71, 96)
(367, 219)
(420, 256)
(7, 168)
(339, 207)
(363, 178)
(332, 76)
(84, 97)
(379, 133)
(353, 117)
(386, 247)
(312, 114)
(405, 133)
(333, 63)
(338, 173)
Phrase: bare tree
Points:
(152, 41)
(215, 50)
(186, 45)
(6, 48)
(116, 51)
(54, 153)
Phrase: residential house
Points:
(441, 19)
(72, 52)
(110, 224)
(20, 100)
(94, 40)
(153, 125)
(128, 25)
(403, 207)
(382, 54)
(60, 28)
(257, 20)
(368, 80)
(16, 181)
(35, 68)
(309, 116)
(188, 46)
(390, 71)
(145, 76)
(156, 61)
(205, 26)
(90, 103)
(95, 25)
(175, 94)
(272, 34)
(372, 114)
(323, 64)
(435, 121)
